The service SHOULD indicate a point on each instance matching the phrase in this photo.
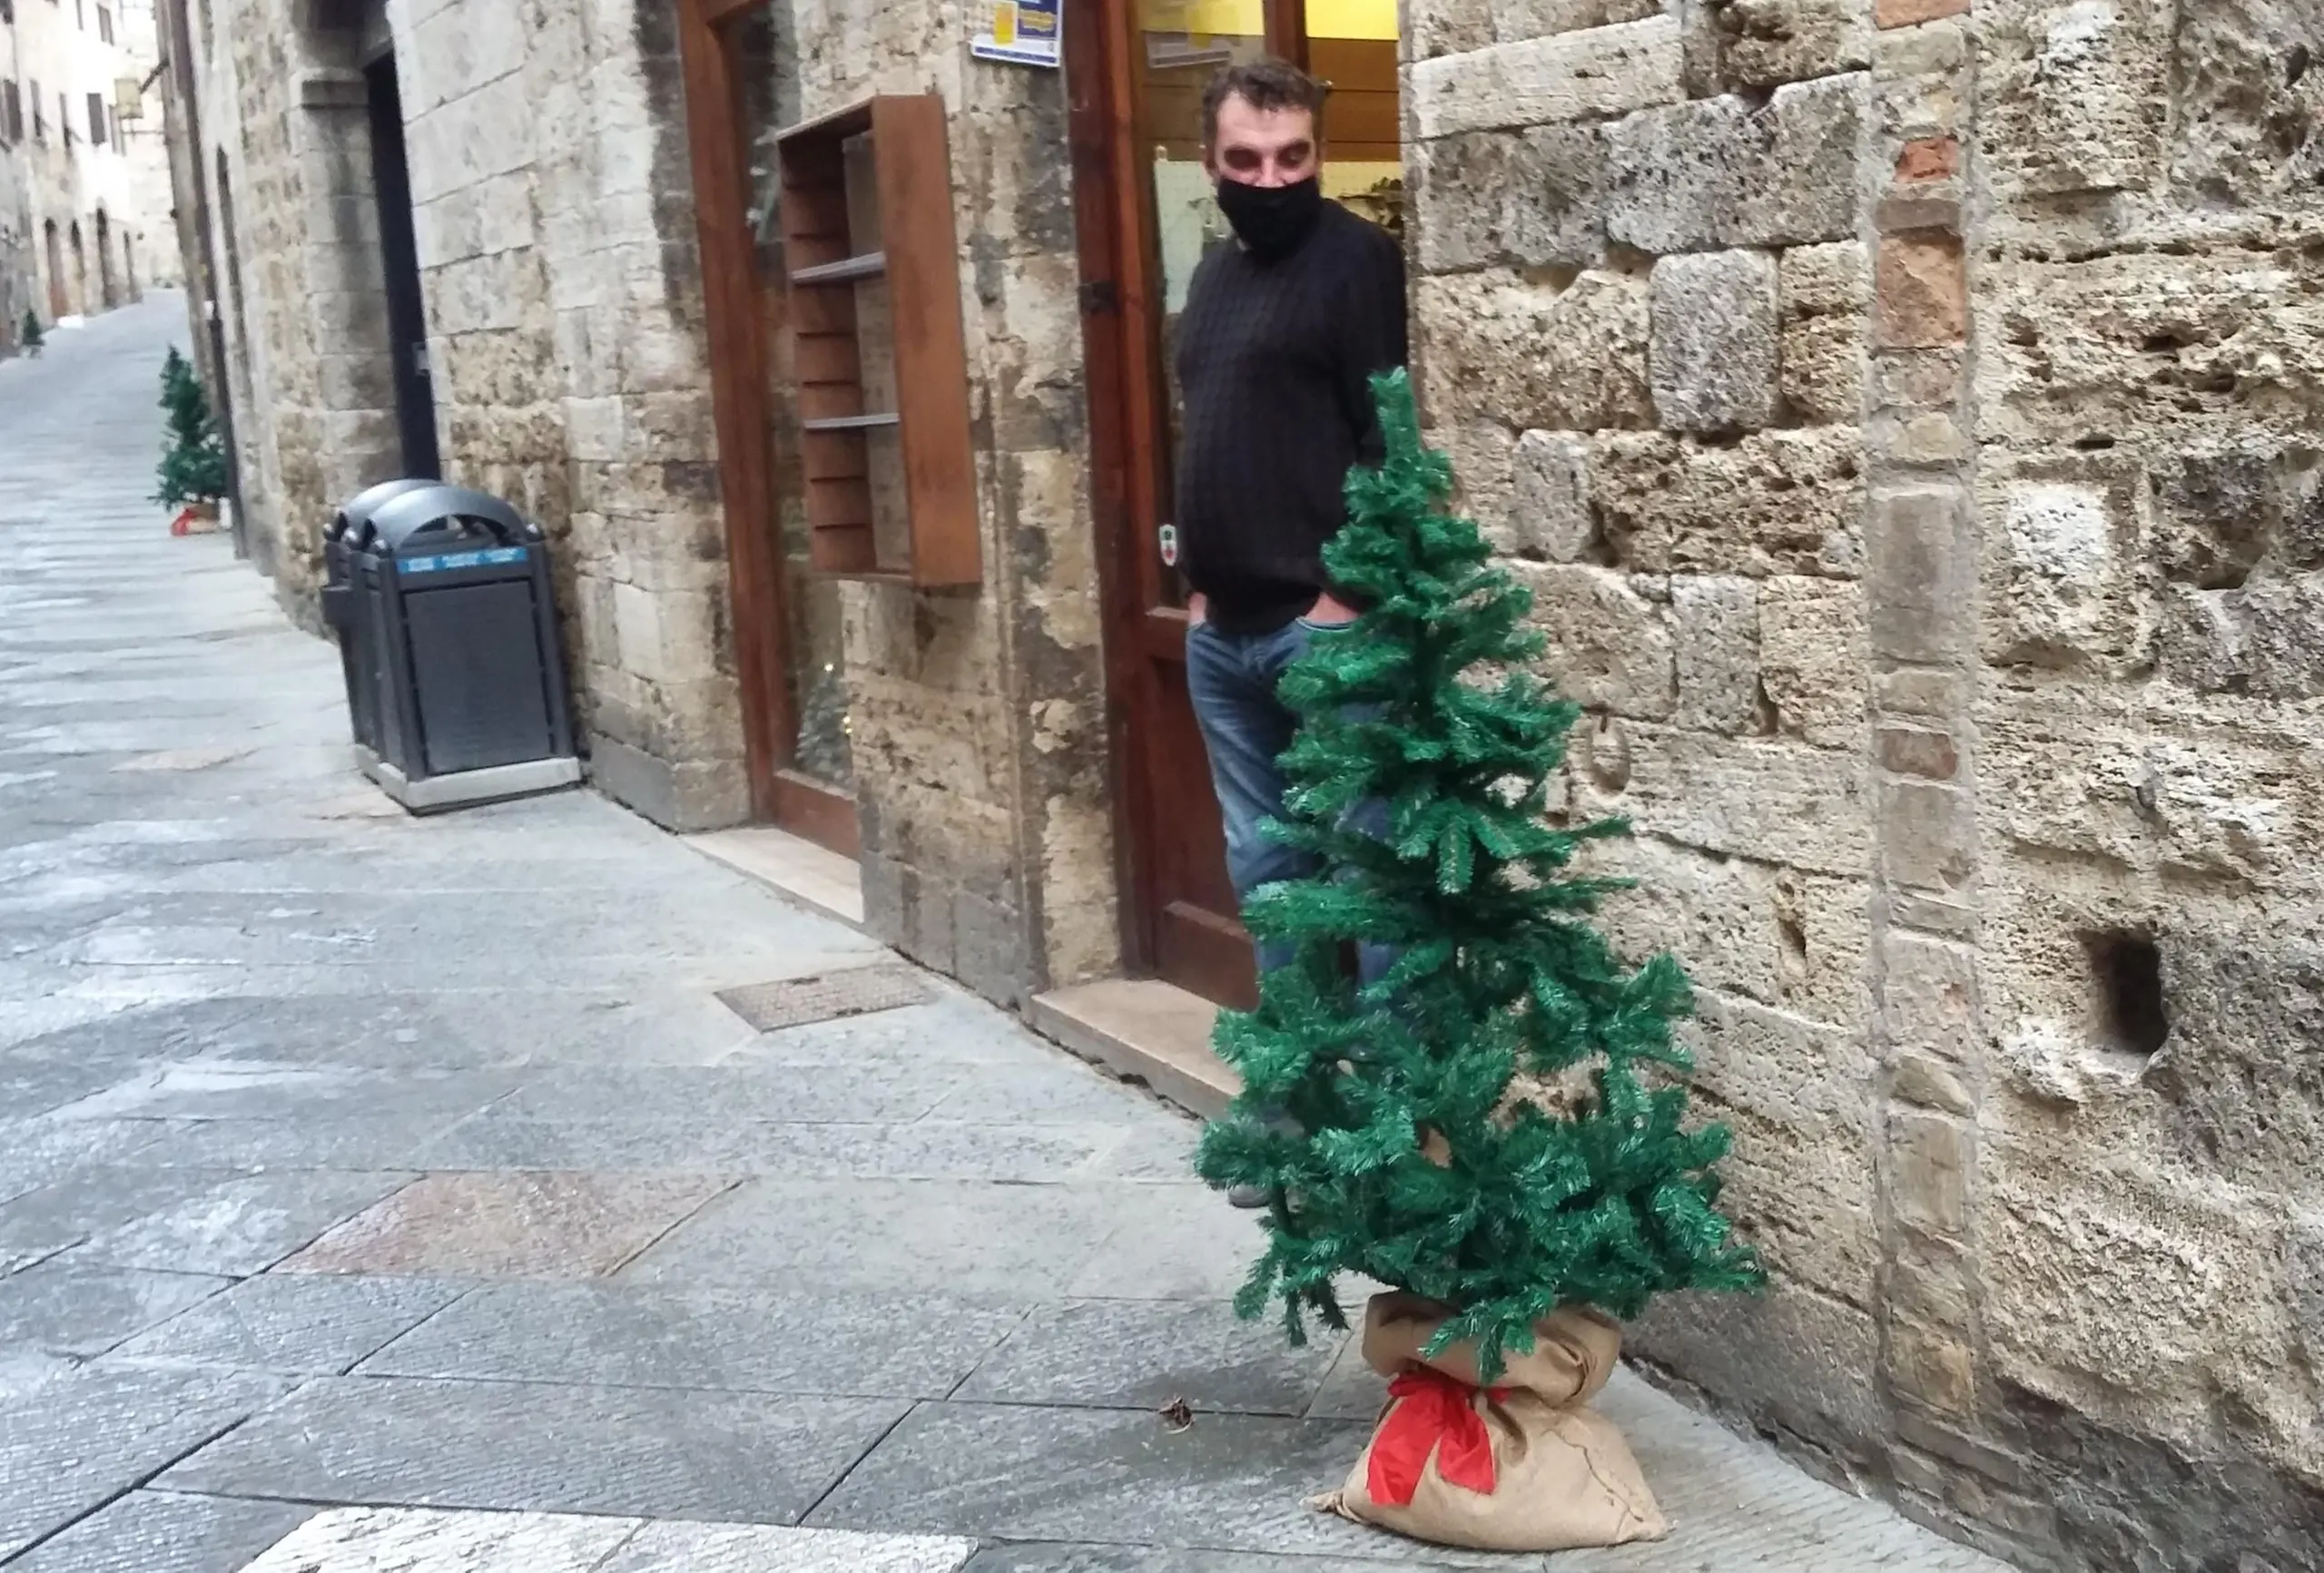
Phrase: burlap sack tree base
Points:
(1524, 1464)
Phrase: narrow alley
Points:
(355, 1161)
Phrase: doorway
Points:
(104, 261)
(740, 63)
(80, 268)
(59, 303)
(1135, 73)
(399, 264)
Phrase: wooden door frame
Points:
(743, 409)
(1115, 307)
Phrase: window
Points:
(11, 113)
(97, 119)
(81, 14)
(104, 23)
(40, 126)
(64, 120)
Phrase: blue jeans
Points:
(1246, 729)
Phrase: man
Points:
(1281, 335)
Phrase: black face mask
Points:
(1273, 222)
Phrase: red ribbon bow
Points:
(1431, 1412)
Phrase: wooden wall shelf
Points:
(851, 452)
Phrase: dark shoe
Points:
(1248, 1198)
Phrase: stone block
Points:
(1535, 356)
(1804, 1364)
(1914, 750)
(2237, 1100)
(1928, 833)
(1759, 44)
(1770, 799)
(1716, 173)
(2238, 97)
(2076, 94)
(1920, 291)
(1813, 658)
(1777, 501)
(1599, 70)
(1931, 1367)
(1552, 515)
(2128, 1296)
(1718, 620)
(2104, 347)
(2063, 545)
(1823, 293)
(1514, 20)
(1919, 574)
(1930, 1160)
(1713, 356)
(1459, 201)
(1716, 914)
(1609, 648)
(1553, 202)
(1912, 13)
(1484, 454)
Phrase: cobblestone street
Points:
(351, 1160)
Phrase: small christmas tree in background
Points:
(1417, 1158)
(193, 463)
(32, 336)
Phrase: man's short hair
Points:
(1264, 85)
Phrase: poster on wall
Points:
(1019, 32)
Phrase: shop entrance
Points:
(739, 73)
(1135, 73)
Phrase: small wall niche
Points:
(2132, 1015)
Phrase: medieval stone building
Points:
(1903, 410)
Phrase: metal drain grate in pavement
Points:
(796, 1001)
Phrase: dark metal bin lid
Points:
(436, 512)
(357, 510)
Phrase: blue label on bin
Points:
(444, 562)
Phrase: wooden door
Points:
(1136, 70)
(787, 644)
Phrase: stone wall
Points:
(1905, 415)
(979, 719)
(553, 216)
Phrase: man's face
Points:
(1262, 147)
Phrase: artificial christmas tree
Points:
(192, 475)
(1496, 1128)
(32, 336)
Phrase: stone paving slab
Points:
(160, 1533)
(1228, 1482)
(854, 1093)
(1037, 1558)
(82, 1309)
(438, 1540)
(77, 1443)
(243, 1226)
(890, 1235)
(918, 1346)
(295, 1324)
(710, 1141)
(478, 1225)
(1135, 1354)
(744, 1457)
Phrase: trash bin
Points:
(458, 661)
(356, 645)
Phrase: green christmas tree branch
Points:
(1408, 1153)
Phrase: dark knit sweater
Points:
(1273, 361)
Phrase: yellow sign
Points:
(1247, 18)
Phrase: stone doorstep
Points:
(1144, 1030)
(791, 865)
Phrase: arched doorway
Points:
(105, 261)
(129, 263)
(59, 303)
(80, 269)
